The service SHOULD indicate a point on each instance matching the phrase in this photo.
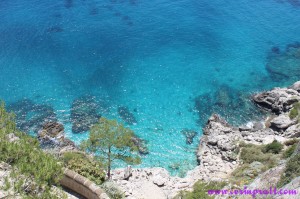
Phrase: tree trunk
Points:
(109, 163)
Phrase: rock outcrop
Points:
(278, 100)
(52, 136)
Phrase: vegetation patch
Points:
(292, 170)
(33, 170)
(275, 147)
(250, 153)
(289, 151)
(112, 190)
(85, 166)
(294, 112)
(200, 190)
(256, 159)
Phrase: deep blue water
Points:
(154, 57)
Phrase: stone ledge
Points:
(81, 185)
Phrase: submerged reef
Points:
(31, 116)
(227, 102)
(284, 65)
(126, 115)
(84, 113)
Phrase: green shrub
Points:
(274, 147)
(294, 112)
(200, 190)
(289, 151)
(292, 170)
(85, 166)
(252, 153)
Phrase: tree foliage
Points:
(111, 141)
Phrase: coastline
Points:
(217, 153)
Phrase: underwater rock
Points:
(126, 115)
(141, 144)
(285, 65)
(84, 113)
(189, 135)
(55, 29)
(31, 116)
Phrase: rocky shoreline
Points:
(218, 151)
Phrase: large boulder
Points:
(278, 100)
(52, 135)
(292, 132)
(281, 122)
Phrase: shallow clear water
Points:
(155, 57)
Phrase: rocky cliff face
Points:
(218, 151)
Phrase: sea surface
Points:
(171, 63)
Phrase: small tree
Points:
(110, 141)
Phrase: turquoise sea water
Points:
(154, 57)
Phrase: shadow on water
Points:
(107, 77)
(68, 4)
(294, 3)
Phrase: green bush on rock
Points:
(274, 147)
(294, 112)
(289, 151)
(251, 153)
